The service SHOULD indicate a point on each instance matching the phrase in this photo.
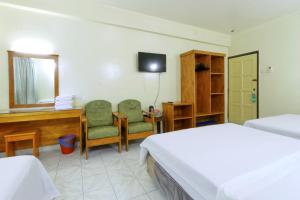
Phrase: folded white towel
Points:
(46, 101)
(63, 107)
(65, 98)
(58, 103)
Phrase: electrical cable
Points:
(158, 91)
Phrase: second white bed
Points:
(25, 178)
(287, 125)
(226, 162)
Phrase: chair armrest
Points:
(147, 113)
(84, 120)
(115, 115)
(116, 119)
(119, 115)
(122, 117)
(149, 119)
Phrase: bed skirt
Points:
(168, 185)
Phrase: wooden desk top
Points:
(38, 114)
(34, 110)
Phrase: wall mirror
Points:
(33, 80)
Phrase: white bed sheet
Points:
(25, 178)
(287, 125)
(204, 160)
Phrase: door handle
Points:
(254, 80)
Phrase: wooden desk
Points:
(50, 123)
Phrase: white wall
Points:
(95, 11)
(98, 60)
(278, 43)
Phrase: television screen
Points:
(151, 62)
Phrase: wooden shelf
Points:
(217, 94)
(181, 105)
(209, 114)
(182, 118)
(217, 103)
(178, 116)
(217, 64)
(183, 124)
(217, 84)
(214, 74)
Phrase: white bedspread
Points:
(287, 125)
(229, 162)
(25, 178)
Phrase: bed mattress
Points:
(287, 125)
(25, 178)
(226, 162)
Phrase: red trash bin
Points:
(67, 143)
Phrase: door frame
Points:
(257, 82)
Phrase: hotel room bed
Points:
(287, 125)
(171, 188)
(224, 162)
(25, 178)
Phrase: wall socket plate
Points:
(269, 69)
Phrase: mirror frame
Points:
(11, 55)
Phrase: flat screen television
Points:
(151, 62)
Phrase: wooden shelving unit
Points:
(202, 84)
(178, 116)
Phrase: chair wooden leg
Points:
(9, 149)
(35, 147)
(86, 152)
(126, 144)
(80, 145)
(120, 147)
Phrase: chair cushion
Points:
(132, 109)
(102, 132)
(99, 113)
(137, 127)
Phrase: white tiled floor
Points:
(107, 175)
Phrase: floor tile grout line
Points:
(133, 175)
(145, 192)
(82, 185)
(57, 167)
(60, 164)
(106, 171)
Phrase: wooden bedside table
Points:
(158, 121)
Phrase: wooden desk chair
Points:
(12, 138)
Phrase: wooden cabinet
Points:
(178, 116)
(202, 84)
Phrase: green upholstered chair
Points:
(135, 125)
(102, 125)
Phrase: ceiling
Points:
(219, 15)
